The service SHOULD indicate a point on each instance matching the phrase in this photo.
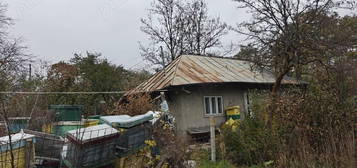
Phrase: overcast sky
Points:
(55, 29)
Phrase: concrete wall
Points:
(187, 104)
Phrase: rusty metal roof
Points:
(195, 69)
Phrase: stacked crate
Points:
(22, 149)
(133, 132)
(90, 147)
(67, 117)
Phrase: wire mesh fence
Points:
(48, 148)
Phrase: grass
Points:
(218, 164)
(202, 157)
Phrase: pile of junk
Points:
(100, 144)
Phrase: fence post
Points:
(29, 153)
(213, 138)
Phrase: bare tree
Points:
(287, 35)
(12, 60)
(202, 31)
(180, 27)
(164, 26)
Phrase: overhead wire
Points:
(44, 93)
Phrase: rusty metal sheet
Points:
(195, 69)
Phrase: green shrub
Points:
(252, 143)
(313, 129)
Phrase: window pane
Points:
(207, 106)
(219, 102)
(213, 101)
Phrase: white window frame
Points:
(218, 113)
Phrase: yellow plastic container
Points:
(19, 155)
(48, 128)
(91, 122)
(233, 112)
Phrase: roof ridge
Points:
(177, 64)
(212, 56)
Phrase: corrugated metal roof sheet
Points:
(195, 69)
(15, 137)
(92, 132)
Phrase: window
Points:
(213, 105)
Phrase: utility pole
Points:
(30, 72)
(213, 138)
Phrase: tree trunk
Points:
(275, 97)
(6, 119)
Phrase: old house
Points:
(197, 87)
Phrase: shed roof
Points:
(197, 69)
(18, 140)
(15, 137)
(92, 133)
